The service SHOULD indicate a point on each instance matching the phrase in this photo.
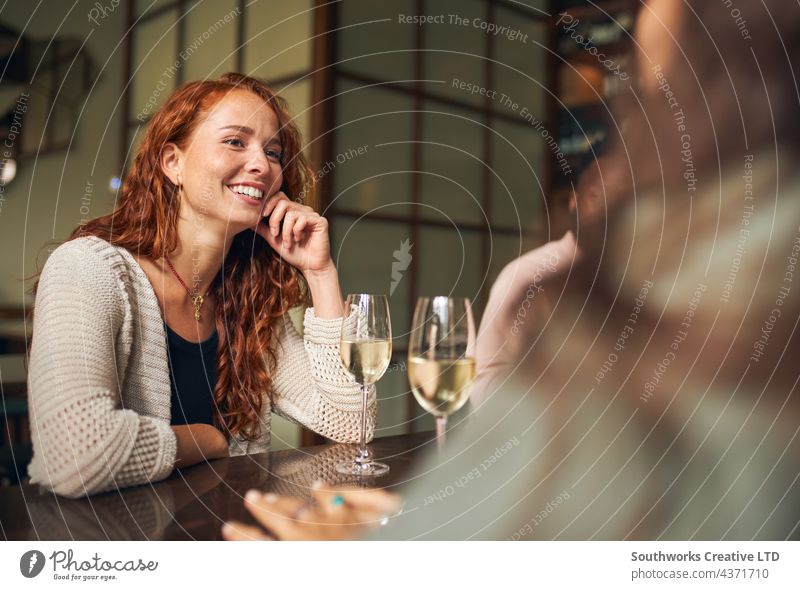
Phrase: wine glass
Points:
(366, 348)
(441, 357)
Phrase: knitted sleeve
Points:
(312, 387)
(83, 440)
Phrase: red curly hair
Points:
(254, 287)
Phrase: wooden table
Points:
(194, 502)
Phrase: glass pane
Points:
(135, 137)
(452, 157)
(517, 160)
(71, 78)
(367, 173)
(521, 71)
(278, 38)
(539, 7)
(379, 50)
(449, 263)
(367, 254)
(62, 120)
(298, 94)
(210, 39)
(506, 248)
(393, 393)
(34, 122)
(41, 55)
(155, 64)
(285, 434)
(455, 49)
(66, 49)
(149, 6)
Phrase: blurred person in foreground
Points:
(661, 402)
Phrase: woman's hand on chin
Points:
(298, 233)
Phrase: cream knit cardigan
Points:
(98, 380)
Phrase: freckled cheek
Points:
(224, 166)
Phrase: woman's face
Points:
(230, 164)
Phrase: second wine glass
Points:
(366, 349)
(441, 361)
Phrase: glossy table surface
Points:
(194, 502)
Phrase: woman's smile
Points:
(249, 193)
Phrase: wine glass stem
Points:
(363, 451)
(441, 426)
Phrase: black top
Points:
(192, 378)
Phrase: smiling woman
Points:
(160, 336)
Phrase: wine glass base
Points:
(371, 469)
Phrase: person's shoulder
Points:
(88, 256)
(537, 265)
(554, 253)
(73, 252)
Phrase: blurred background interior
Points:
(419, 174)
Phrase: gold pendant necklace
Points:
(197, 299)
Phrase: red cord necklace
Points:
(196, 298)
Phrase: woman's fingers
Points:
(276, 216)
(289, 219)
(274, 200)
(237, 531)
(299, 227)
(278, 514)
(364, 500)
(335, 513)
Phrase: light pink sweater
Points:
(519, 294)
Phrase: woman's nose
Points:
(258, 163)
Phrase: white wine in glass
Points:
(366, 349)
(366, 359)
(441, 362)
(441, 387)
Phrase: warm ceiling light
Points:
(8, 171)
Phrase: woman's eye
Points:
(274, 155)
(271, 154)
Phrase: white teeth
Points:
(250, 191)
